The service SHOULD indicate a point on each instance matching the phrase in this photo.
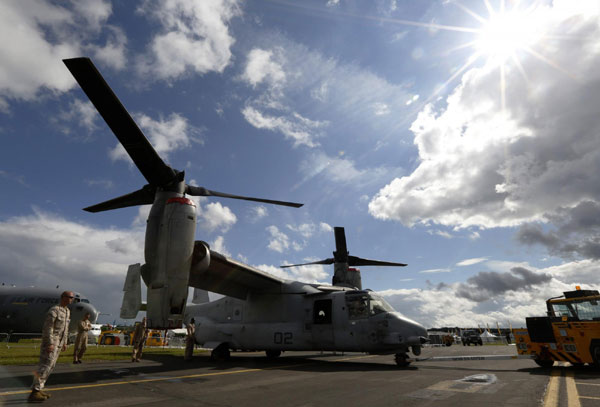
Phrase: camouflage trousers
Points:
(47, 362)
(189, 348)
(138, 347)
(80, 346)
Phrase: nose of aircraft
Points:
(412, 331)
(78, 311)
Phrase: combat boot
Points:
(36, 396)
(47, 395)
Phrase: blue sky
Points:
(457, 137)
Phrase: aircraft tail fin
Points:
(200, 296)
(132, 293)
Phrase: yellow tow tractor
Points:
(570, 332)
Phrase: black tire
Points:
(595, 351)
(273, 354)
(220, 353)
(401, 360)
(544, 362)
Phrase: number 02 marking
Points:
(283, 338)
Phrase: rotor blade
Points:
(120, 122)
(142, 196)
(200, 191)
(357, 261)
(326, 261)
(341, 251)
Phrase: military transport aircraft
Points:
(22, 310)
(343, 274)
(260, 311)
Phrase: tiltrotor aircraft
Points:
(277, 315)
(260, 311)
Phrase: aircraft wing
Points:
(232, 278)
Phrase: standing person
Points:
(54, 339)
(190, 340)
(82, 338)
(139, 339)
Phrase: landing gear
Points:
(273, 354)
(402, 360)
(221, 352)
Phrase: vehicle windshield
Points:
(379, 305)
(583, 310)
(366, 304)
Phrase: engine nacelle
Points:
(168, 251)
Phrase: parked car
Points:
(471, 337)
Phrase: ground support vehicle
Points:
(113, 337)
(570, 332)
(471, 337)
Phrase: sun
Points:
(505, 33)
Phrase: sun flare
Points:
(505, 33)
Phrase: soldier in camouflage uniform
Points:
(54, 339)
(190, 341)
(139, 339)
(82, 338)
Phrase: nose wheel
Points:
(402, 360)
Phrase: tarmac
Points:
(312, 379)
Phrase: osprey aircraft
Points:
(260, 311)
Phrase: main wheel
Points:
(221, 352)
(402, 359)
(273, 354)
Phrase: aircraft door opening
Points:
(322, 329)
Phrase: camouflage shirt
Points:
(56, 326)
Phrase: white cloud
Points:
(258, 212)
(219, 245)
(214, 216)
(279, 241)
(482, 166)
(470, 262)
(325, 227)
(45, 250)
(39, 33)
(165, 135)
(313, 274)
(300, 130)
(195, 37)
(520, 294)
(436, 271)
(260, 67)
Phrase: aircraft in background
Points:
(23, 310)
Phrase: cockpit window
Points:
(358, 306)
(365, 305)
(379, 305)
(85, 300)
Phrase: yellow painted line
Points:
(551, 398)
(572, 394)
(589, 397)
(162, 379)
